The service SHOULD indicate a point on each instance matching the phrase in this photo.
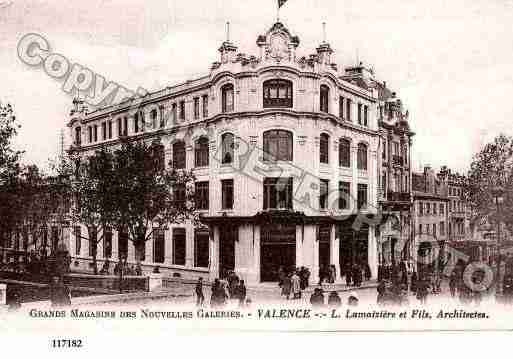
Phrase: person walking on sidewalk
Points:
(240, 293)
(286, 286)
(334, 300)
(317, 298)
(200, 298)
(296, 286)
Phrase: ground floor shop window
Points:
(277, 251)
(159, 246)
(179, 246)
(201, 249)
(123, 244)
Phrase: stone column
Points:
(243, 257)
(334, 250)
(372, 252)
(189, 247)
(115, 254)
(299, 246)
(214, 254)
(168, 246)
(253, 277)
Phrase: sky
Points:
(449, 61)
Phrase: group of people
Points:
(128, 270)
(355, 273)
(293, 282)
(317, 299)
(230, 288)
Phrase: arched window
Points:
(324, 97)
(179, 156)
(227, 98)
(278, 145)
(227, 142)
(159, 156)
(277, 93)
(344, 153)
(324, 148)
(362, 157)
(201, 152)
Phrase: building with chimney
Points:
(287, 155)
(394, 173)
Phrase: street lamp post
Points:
(498, 195)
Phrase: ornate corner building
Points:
(288, 161)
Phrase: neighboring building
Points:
(285, 153)
(394, 181)
(430, 218)
(459, 215)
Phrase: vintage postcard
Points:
(271, 165)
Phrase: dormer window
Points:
(278, 93)
(227, 98)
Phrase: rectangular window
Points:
(420, 228)
(442, 208)
(205, 105)
(434, 229)
(107, 243)
(227, 193)
(109, 130)
(179, 195)
(90, 134)
(182, 111)
(360, 114)
(348, 110)
(196, 108)
(362, 196)
(442, 228)
(428, 208)
(123, 244)
(95, 132)
(92, 242)
(179, 246)
(201, 249)
(278, 193)
(140, 251)
(159, 245)
(323, 193)
(125, 126)
(341, 107)
(174, 114)
(104, 131)
(366, 115)
(344, 189)
(421, 208)
(434, 209)
(162, 111)
(77, 232)
(202, 195)
(136, 123)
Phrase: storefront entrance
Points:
(353, 247)
(277, 249)
(227, 237)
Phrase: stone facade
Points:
(319, 110)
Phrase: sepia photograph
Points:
(294, 166)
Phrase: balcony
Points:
(398, 197)
(397, 160)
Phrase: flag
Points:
(281, 3)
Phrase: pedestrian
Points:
(286, 287)
(200, 298)
(357, 275)
(60, 294)
(507, 288)
(368, 273)
(352, 300)
(138, 269)
(349, 275)
(333, 274)
(422, 290)
(334, 300)
(317, 298)
(241, 293)
(453, 282)
(215, 293)
(296, 288)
